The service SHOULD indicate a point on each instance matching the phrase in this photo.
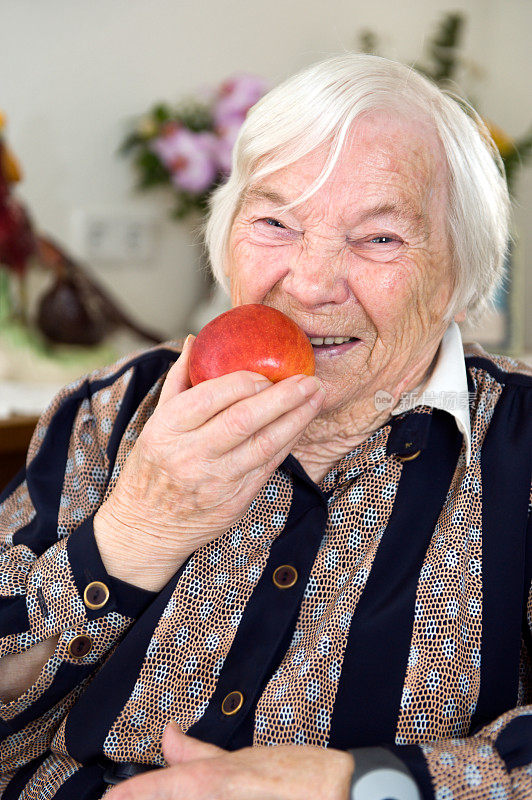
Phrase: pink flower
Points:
(194, 160)
(236, 96)
(189, 157)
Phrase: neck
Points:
(329, 438)
(336, 432)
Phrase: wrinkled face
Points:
(366, 258)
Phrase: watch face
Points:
(385, 784)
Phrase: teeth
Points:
(320, 340)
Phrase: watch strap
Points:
(380, 775)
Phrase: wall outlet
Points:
(114, 236)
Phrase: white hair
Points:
(319, 104)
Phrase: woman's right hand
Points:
(198, 463)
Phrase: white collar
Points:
(447, 386)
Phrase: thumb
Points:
(178, 378)
(178, 748)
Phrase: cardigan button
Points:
(232, 703)
(409, 458)
(285, 577)
(96, 595)
(80, 646)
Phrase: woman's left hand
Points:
(200, 771)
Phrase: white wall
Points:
(73, 72)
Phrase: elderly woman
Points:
(317, 588)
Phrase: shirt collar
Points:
(446, 387)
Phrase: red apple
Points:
(252, 337)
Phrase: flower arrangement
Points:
(444, 61)
(189, 146)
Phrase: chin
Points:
(335, 398)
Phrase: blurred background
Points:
(91, 92)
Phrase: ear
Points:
(460, 317)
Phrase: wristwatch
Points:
(380, 775)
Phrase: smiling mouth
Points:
(331, 341)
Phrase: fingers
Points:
(191, 409)
(187, 410)
(262, 424)
(179, 748)
(153, 785)
(246, 418)
(177, 379)
(268, 447)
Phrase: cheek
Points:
(385, 292)
(253, 271)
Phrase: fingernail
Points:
(188, 340)
(308, 385)
(317, 398)
(263, 384)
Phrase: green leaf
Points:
(443, 49)
(195, 115)
(524, 147)
(130, 142)
(368, 42)
(161, 113)
(152, 172)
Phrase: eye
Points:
(382, 239)
(270, 231)
(381, 247)
(273, 222)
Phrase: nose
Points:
(316, 279)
